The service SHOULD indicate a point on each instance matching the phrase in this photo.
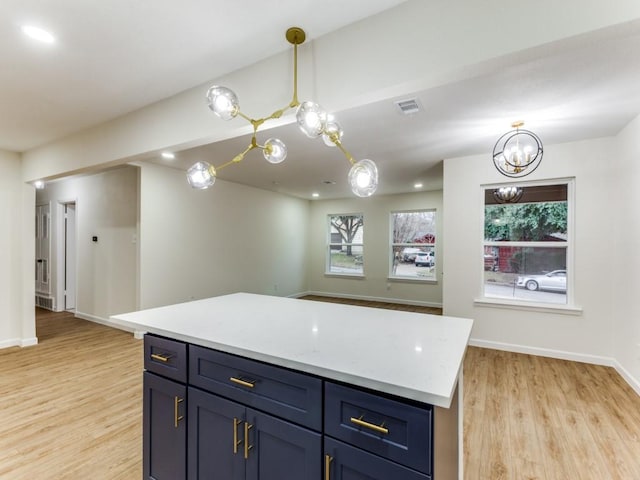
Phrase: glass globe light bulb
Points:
(201, 175)
(275, 151)
(332, 130)
(363, 178)
(223, 102)
(311, 119)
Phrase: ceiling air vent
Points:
(408, 107)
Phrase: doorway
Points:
(69, 254)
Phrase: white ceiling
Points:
(114, 57)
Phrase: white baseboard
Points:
(29, 342)
(633, 382)
(103, 321)
(544, 352)
(370, 299)
(18, 342)
(562, 355)
(11, 342)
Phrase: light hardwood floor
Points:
(71, 406)
(72, 409)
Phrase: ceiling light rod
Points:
(312, 119)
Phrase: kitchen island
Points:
(368, 388)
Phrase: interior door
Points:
(69, 256)
(43, 250)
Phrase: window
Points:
(345, 251)
(413, 245)
(526, 245)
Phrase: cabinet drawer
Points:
(294, 396)
(347, 462)
(398, 431)
(166, 357)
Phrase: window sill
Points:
(532, 307)
(345, 275)
(413, 280)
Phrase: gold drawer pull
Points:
(236, 442)
(161, 357)
(327, 467)
(176, 417)
(244, 383)
(247, 447)
(371, 426)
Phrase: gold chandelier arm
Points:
(338, 144)
(240, 156)
(248, 119)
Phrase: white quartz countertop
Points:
(411, 355)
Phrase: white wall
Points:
(586, 336)
(107, 207)
(229, 238)
(375, 285)
(625, 222)
(17, 255)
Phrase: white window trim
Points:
(327, 263)
(570, 307)
(401, 278)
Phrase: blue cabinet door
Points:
(345, 462)
(216, 437)
(164, 429)
(281, 450)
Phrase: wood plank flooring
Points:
(71, 406)
(72, 409)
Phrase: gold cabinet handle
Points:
(247, 447)
(370, 426)
(176, 401)
(236, 442)
(244, 383)
(327, 466)
(161, 357)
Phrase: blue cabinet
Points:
(396, 432)
(216, 437)
(164, 429)
(228, 441)
(210, 415)
(345, 462)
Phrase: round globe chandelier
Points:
(312, 119)
(518, 152)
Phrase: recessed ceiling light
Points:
(417, 185)
(168, 155)
(38, 34)
(39, 184)
(315, 194)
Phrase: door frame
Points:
(61, 253)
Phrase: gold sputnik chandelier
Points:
(517, 153)
(312, 119)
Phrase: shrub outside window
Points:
(526, 245)
(413, 245)
(345, 248)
